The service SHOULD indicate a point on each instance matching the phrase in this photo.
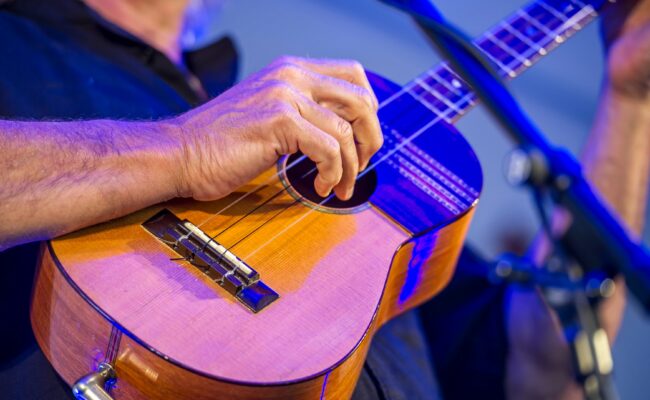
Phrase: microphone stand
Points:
(590, 252)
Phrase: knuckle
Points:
(367, 98)
(283, 116)
(357, 68)
(332, 150)
(287, 71)
(279, 90)
(344, 131)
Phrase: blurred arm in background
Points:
(616, 161)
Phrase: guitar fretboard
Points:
(513, 45)
(440, 94)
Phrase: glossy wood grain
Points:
(142, 373)
(328, 269)
(339, 278)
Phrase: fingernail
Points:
(325, 193)
(348, 193)
(363, 167)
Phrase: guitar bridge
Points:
(212, 258)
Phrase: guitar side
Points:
(78, 329)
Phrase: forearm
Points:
(616, 158)
(615, 161)
(60, 176)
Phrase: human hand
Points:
(326, 109)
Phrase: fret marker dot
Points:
(559, 39)
(455, 83)
(527, 63)
(542, 52)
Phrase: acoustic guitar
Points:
(274, 292)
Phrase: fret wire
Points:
(427, 79)
(418, 86)
(525, 28)
(427, 83)
(463, 101)
(524, 61)
(434, 102)
(441, 114)
(565, 7)
(535, 48)
(434, 74)
(534, 21)
(452, 81)
(458, 100)
(513, 42)
(456, 80)
(552, 10)
(436, 94)
(525, 48)
(490, 46)
(442, 84)
(584, 13)
(539, 13)
(504, 68)
(533, 45)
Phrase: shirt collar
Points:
(215, 65)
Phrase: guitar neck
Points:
(513, 46)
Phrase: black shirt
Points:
(60, 60)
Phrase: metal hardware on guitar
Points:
(94, 385)
(213, 259)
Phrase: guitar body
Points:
(116, 293)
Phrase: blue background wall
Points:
(560, 93)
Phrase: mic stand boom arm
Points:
(594, 241)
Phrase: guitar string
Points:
(212, 238)
(226, 250)
(405, 89)
(398, 147)
(254, 190)
(405, 142)
(390, 99)
(439, 117)
(272, 178)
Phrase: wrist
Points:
(173, 155)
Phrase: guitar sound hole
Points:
(300, 179)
